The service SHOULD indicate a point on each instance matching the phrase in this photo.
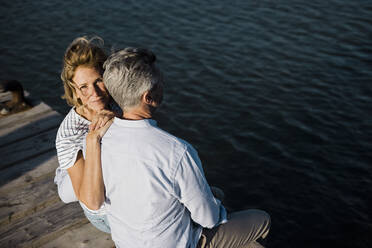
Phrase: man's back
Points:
(145, 171)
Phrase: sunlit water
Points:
(275, 95)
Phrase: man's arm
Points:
(194, 192)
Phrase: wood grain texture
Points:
(28, 148)
(30, 127)
(93, 238)
(29, 115)
(42, 226)
(27, 199)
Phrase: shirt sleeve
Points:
(69, 139)
(191, 187)
(64, 185)
(67, 150)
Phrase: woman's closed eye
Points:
(83, 87)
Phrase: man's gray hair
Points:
(129, 73)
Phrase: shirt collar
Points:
(135, 123)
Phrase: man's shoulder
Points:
(149, 137)
(172, 139)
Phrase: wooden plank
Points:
(32, 190)
(28, 115)
(17, 176)
(84, 236)
(28, 128)
(27, 199)
(43, 226)
(31, 147)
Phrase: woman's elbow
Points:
(93, 204)
(66, 196)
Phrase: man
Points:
(156, 191)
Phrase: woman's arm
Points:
(86, 174)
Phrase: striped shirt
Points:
(70, 138)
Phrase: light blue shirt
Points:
(156, 191)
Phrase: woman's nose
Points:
(93, 90)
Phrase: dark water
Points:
(275, 95)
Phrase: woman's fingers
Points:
(101, 119)
(93, 124)
(99, 123)
(99, 132)
(103, 129)
(104, 120)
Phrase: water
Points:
(275, 95)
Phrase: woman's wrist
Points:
(93, 137)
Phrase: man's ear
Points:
(147, 98)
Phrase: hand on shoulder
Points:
(100, 123)
(100, 119)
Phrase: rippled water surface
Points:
(275, 95)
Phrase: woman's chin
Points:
(97, 106)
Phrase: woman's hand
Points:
(97, 133)
(100, 120)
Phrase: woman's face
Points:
(90, 88)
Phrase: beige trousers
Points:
(241, 231)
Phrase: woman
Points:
(78, 177)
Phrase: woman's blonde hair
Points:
(81, 52)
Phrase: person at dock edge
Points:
(79, 178)
(156, 191)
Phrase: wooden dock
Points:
(31, 213)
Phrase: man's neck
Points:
(137, 114)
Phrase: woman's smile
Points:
(90, 88)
